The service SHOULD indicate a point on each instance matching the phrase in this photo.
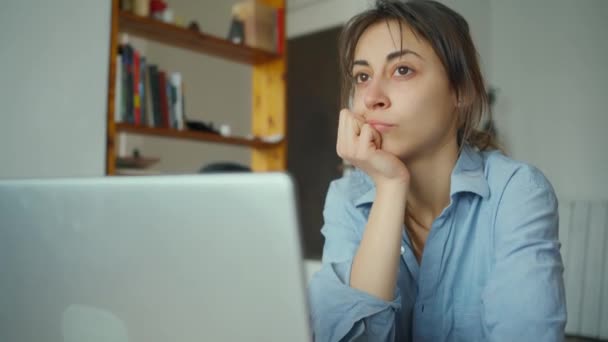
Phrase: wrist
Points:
(393, 188)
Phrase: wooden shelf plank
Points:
(194, 135)
(188, 39)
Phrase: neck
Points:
(430, 181)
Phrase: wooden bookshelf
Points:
(192, 40)
(194, 135)
(268, 97)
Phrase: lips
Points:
(380, 126)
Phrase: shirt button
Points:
(402, 249)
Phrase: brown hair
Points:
(448, 34)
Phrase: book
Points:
(121, 78)
(149, 98)
(142, 90)
(136, 98)
(146, 95)
(155, 93)
(128, 82)
(170, 96)
(118, 96)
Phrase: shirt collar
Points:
(467, 176)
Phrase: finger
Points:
(366, 142)
(377, 138)
(340, 121)
(373, 135)
(359, 122)
(359, 117)
(355, 121)
(347, 138)
(352, 132)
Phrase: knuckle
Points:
(339, 151)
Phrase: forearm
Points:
(375, 266)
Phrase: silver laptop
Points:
(162, 258)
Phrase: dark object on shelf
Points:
(201, 127)
(193, 25)
(220, 167)
(236, 34)
(136, 161)
(236, 31)
(126, 5)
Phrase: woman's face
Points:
(404, 94)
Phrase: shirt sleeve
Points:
(339, 312)
(524, 299)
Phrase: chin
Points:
(401, 151)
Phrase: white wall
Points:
(476, 12)
(309, 16)
(54, 67)
(549, 62)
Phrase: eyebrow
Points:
(389, 57)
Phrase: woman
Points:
(436, 235)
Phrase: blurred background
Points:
(544, 60)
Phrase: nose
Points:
(375, 96)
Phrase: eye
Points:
(402, 71)
(361, 77)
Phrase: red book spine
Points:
(164, 104)
(280, 30)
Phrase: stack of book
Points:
(145, 94)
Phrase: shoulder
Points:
(511, 179)
(525, 209)
(524, 200)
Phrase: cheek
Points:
(427, 101)
(411, 106)
(357, 103)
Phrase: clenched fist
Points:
(361, 145)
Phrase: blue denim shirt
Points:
(491, 268)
